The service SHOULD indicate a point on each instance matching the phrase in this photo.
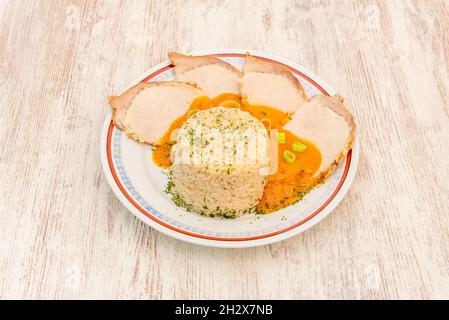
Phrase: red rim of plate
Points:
(202, 236)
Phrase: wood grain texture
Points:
(63, 234)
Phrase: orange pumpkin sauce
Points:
(290, 180)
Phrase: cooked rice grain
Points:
(226, 178)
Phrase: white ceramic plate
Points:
(139, 184)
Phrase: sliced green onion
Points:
(289, 156)
(281, 137)
(298, 146)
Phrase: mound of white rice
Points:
(220, 163)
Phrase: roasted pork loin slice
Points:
(271, 84)
(326, 122)
(211, 74)
(146, 110)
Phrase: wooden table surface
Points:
(63, 234)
